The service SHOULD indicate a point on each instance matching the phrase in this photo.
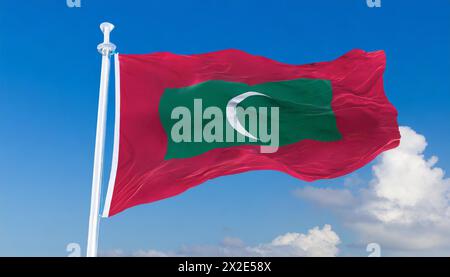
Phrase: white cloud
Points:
(326, 197)
(316, 242)
(151, 253)
(111, 253)
(406, 205)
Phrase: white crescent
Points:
(232, 114)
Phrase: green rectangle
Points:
(304, 112)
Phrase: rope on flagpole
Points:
(106, 49)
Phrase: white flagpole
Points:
(106, 49)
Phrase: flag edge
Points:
(115, 158)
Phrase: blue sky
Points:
(49, 78)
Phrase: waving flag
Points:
(184, 119)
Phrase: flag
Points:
(184, 119)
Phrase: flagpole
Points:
(106, 49)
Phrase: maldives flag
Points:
(184, 119)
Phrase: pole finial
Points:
(106, 48)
